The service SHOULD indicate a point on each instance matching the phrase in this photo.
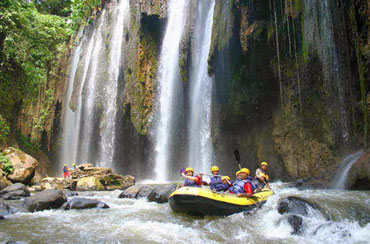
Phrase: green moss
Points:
(6, 165)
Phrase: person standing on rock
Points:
(66, 172)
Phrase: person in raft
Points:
(66, 172)
(216, 180)
(190, 179)
(227, 182)
(243, 185)
(262, 176)
(74, 167)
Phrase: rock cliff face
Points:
(290, 86)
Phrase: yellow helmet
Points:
(215, 168)
(65, 164)
(73, 164)
(245, 170)
(264, 163)
(189, 169)
(237, 172)
(225, 177)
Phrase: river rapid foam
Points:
(344, 218)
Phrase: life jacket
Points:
(265, 174)
(238, 186)
(216, 183)
(191, 183)
(65, 170)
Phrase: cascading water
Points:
(169, 80)
(108, 134)
(201, 91)
(89, 132)
(347, 163)
(70, 135)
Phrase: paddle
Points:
(237, 157)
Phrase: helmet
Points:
(264, 163)
(73, 164)
(245, 170)
(225, 177)
(215, 168)
(65, 164)
(189, 169)
(237, 172)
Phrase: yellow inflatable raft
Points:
(202, 201)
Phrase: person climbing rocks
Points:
(66, 172)
(227, 182)
(190, 179)
(216, 180)
(74, 167)
(262, 176)
(243, 185)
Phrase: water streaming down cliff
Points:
(95, 89)
(341, 179)
(201, 154)
(169, 82)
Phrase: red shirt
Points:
(248, 188)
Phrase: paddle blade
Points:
(236, 154)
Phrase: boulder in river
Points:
(6, 209)
(107, 178)
(47, 199)
(130, 192)
(4, 182)
(90, 183)
(14, 191)
(296, 223)
(55, 183)
(84, 203)
(24, 165)
(358, 177)
(69, 193)
(137, 191)
(161, 193)
(296, 205)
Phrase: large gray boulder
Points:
(24, 165)
(84, 203)
(48, 199)
(296, 222)
(296, 205)
(6, 210)
(14, 191)
(4, 182)
(161, 193)
(130, 192)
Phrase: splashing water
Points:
(139, 221)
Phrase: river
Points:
(140, 221)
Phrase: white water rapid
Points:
(343, 218)
(169, 81)
(201, 91)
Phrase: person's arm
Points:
(191, 177)
(248, 189)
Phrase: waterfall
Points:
(89, 132)
(201, 91)
(346, 164)
(108, 134)
(69, 135)
(169, 79)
